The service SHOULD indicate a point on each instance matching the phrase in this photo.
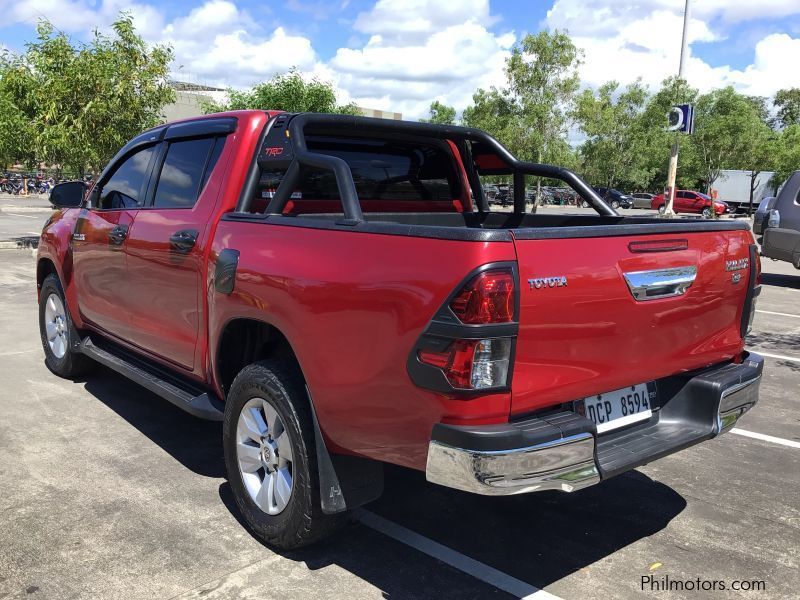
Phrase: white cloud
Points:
(625, 41)
(403, 54)
(419, 51)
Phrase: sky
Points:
(400, 55)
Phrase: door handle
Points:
(183, 241)
(660, 283)
(117, 236)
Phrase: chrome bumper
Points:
(566, 464)
(568, 455)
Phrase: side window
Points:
(126, 187)
(187, 166)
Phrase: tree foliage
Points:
(289, 92)
(616, 134)
(441, 114)
(787, 103)
(82, 102)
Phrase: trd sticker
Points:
(273, 151)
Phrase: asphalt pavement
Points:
(22, 219)
(107, 491)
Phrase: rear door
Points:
(582, 331)
(99, 240)
(166, 249)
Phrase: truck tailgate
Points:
(582, 332)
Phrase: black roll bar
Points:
(343, 124)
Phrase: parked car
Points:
(762, 216)
(322, 285)
(687, 201)
(781, 233)
(642, 199)
(614, 197)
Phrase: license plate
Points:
(610, 410)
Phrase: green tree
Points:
(787, 153)
(531, 116)
(16, 144)
(616, 136)
(441, 114)
(84, 101)
(787, 104)
(728, 126)
(289, 92)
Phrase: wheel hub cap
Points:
(55, 322)
(264, 456)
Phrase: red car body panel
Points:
(591, 336)
(352, 305)
(365, 318)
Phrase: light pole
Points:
(673, 157)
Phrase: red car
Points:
(336, 291)
(687, 201)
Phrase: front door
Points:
(98, 244)
(166, 247)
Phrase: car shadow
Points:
(538, 538)
(780, 280)
(194, 443)
(774, 341)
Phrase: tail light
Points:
(472, 351)
(472, 364)
(774, 218)
(488, 298)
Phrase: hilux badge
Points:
(547, 282)
(737, 264)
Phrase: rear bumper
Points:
(562, 451)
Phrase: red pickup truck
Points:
(336, 290)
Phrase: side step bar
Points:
(204, 405)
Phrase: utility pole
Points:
(673, 157)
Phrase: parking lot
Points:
(109, 491)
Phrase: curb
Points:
(20, 243)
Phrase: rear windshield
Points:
(385, 173)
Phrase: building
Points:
(189, 99)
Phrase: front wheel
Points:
(58, 333)
(662, 209)
(615, 204)
(270, 457)
(708, 213)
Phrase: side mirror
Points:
(68, 194)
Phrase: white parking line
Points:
(19, 215)
(780, 314)
(778, 356)
(766, 438)
(470, 566)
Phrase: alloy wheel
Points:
(56, 329)
(264, 456)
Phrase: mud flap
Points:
(345, 482)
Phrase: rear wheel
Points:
(58, 332)
(708, 213)
(615, 204)
(270, 457)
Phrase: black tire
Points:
(72, 363)
(615, 204)
(708, 213)
(302, 521)
(662, 209)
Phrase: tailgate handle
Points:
(660, 283)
